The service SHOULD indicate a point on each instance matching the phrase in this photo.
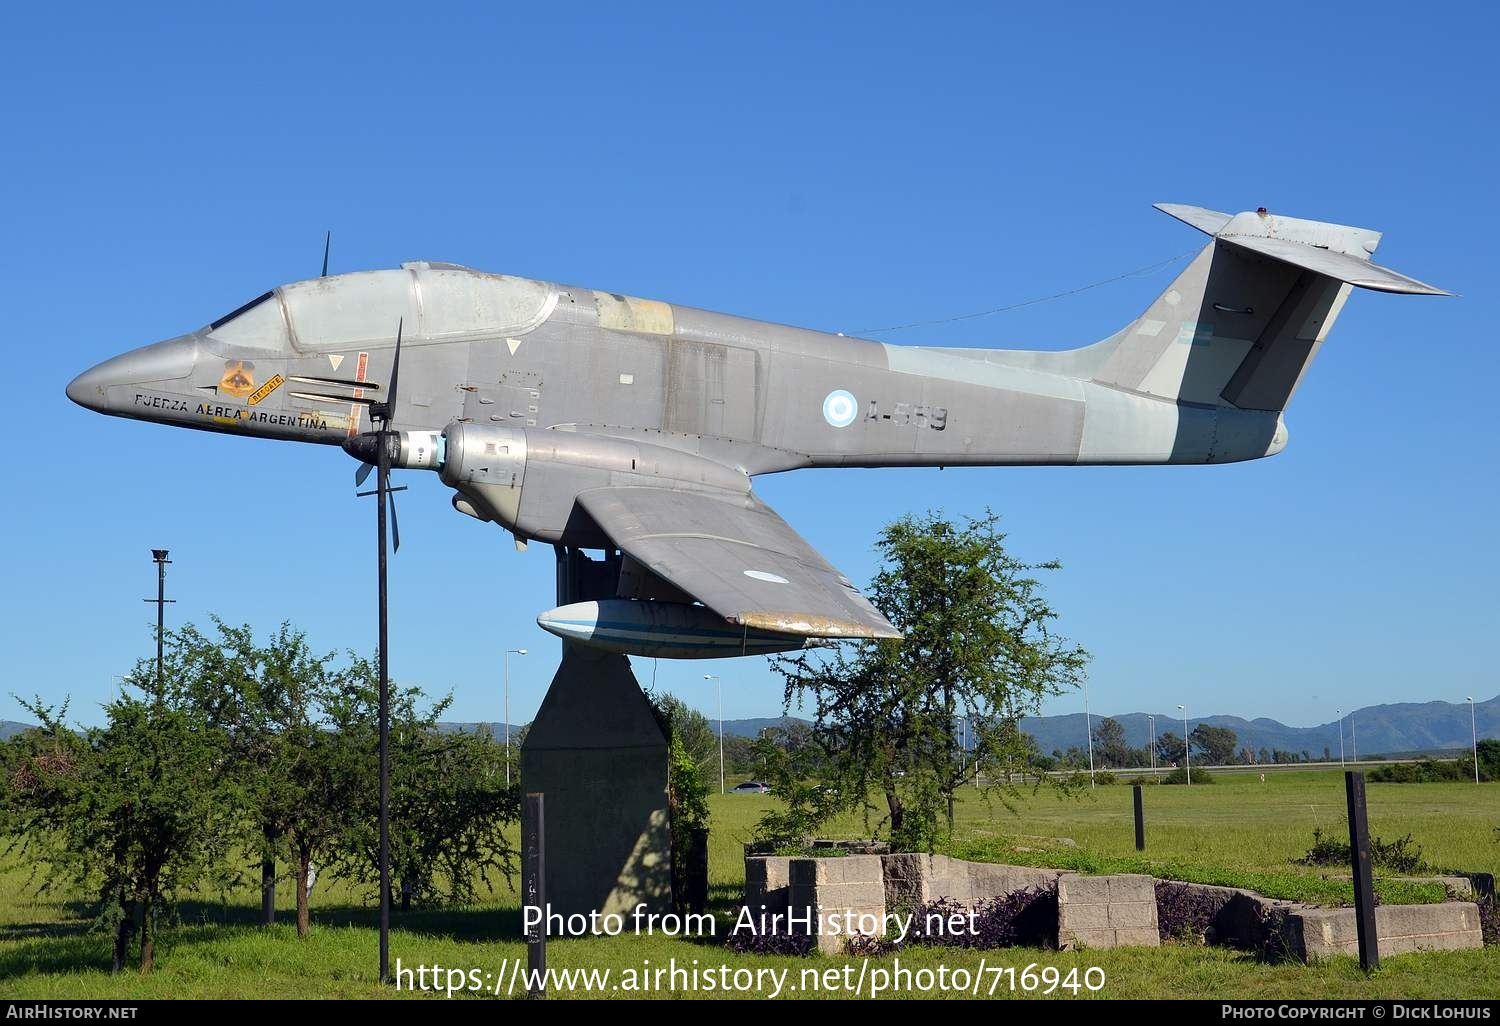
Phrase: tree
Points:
(1169, 747)
(135, 811)
(699, 738)
(450, 805)
(1109, 743)
(1215, 744)
(978, 644)
(270, 703)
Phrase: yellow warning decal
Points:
(270, 386)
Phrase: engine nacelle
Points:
(528, 479)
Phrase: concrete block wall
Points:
(767, 879)
(836, 887)
(1106, 911)
(912, 879)
(1320, 932)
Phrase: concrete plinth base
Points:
(597, 754)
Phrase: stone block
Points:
(767, 881)
(1313, 933)
(1106, 911)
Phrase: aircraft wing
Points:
(735, 555)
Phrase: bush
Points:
(1426, 771)
(1185, 913)
(1180, 776)
(1399, 856)
(1027, 916)
(779, 942)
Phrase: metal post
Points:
(383, 484)
(720, 686)
(1140, 819)
(1340, 714)
(159, 557)
(508, 653)
(1353, 738)
(1088, 725)
(1364, 892)
(1474, 735)
(1187, 749)
(534, 890)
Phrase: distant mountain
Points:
(10, 728)
(1407, 727)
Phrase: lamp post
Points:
(1340, 714)
(1353, 739)
(720, 688)
(1151, 747)
(1187, 752)
(508, 653)
(1088, 725)
(159, 557)
(1474, 734)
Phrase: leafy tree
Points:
(450, 805)
(1169, 747)
(135, 811)
(687, 794)
(269, 702)
(1110, 747)
(1215, 744)
(978, 644)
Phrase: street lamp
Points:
(720, 687)
(1340, 714)
(1088, 725)
(1474, 733)
(1151, 747)
(1187, 753)
(508, 653)
(1353, 739)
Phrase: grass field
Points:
(1237, 830)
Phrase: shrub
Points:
(776, 942)
(1424, 771)
(1027, 916)
(1489, 919)
(1185, 913)
(1398, 856)
(1180, 776)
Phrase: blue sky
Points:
(798, 163)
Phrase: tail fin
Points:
(1240, 326)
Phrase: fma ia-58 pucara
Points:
(594, 420)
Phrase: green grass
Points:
(1236, 831)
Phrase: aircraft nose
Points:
(162, 362)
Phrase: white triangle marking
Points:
(335, 359)
(514, 344)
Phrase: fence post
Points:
(534, 890)
(1359, 858)
(1140, 820)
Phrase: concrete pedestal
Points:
(597, 754)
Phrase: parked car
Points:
(752, 787)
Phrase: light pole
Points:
(1340, 714)
(719, 685)
(1187, 752)
(1151, 747)
(508, 653)
(159, 557)
(1353, 738)
(1088, 725)
(1474, 733)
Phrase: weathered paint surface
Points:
(589, 418)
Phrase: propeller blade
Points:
(363, 473)
(327, 241)
(395, 527)
(390, 400)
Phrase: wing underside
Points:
(735, 555)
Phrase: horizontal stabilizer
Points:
(1336, 251)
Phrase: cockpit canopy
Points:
(432, 302)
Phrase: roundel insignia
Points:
(840, 408)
